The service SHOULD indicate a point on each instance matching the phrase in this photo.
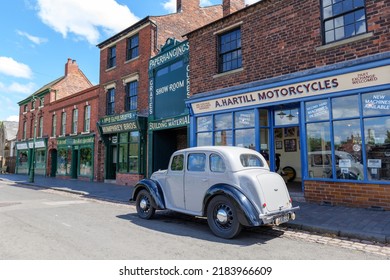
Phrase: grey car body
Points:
(231, 186)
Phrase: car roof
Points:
(231, 153)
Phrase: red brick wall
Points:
(348, 194)
(281, 37)
(128, 179)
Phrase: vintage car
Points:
(231, 186)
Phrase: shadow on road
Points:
(196, 227)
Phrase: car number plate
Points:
(284, 219)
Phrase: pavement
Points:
(356, 223)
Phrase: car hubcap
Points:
(143, 204)
(222, 216)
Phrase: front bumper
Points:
(279, 217)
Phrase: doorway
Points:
(287, 149)
(53, 169)
(112, 156)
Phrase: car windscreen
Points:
(249, 160)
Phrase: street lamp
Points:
(32, 166)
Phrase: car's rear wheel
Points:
(222, 217)
(144, 205)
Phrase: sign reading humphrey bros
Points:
(169, 82)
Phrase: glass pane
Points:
(345, 107)
(328, 12)
(263, 117)
(329, 25)
(204, 139)
(196, 162)
(204, 123)
(286, 116)
(360, 27)
(244, 119)
(177, 163)
(133, 158)
(317, 110)
(223, 121)
(123, 137)
(248, 160)
(86, 161)
(223, 138)
(339, 33)
(134, 137)
(348, 149)
(245, 138)
(339, 21)
(329, 36)
(377, 103)
(123, 157)
(217, 164)
(318, 147)
(377, 133)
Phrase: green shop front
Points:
(74, 157)
(26, 151)
(169, 87)
(124, 140)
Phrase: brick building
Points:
(36, 121)
(124, 60)
(306, 83)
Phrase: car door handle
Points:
(205, 179)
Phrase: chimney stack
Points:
(186, 5)
(231, 6)
(71, 67)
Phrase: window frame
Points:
(351, 11)
(87, 118)
(131, 99)
(63, 123)
(220, 53)
(53, 125)
(110, 104)
(111, 57)
(75, 117)
(132, 50)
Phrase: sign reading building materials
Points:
(360, 79)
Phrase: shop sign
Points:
(21, 146)
(355, 80)
(118, 118)
(169, 123)
(170, 55)
(118, 127)
(83, 140)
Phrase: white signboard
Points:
(345, 163)
(374, 163)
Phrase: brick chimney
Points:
(231, 6)
(186, 5)
(71, 67)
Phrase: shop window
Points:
(23, 161)
(129, 152)
(229, 51)
(286, 116)
(87, 118)
(111, 59)
(111, 101)
(40, 156)
(359, 148)
(53, 125)
(64, 160)
(132, 47)
(131, 90)
(244, 134)
(343, 19)
(86, 162)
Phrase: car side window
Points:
(177, 163)
(217, 164)
(196, 162)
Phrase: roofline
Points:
(123, 32)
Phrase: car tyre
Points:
(144, 205)
(222, 217)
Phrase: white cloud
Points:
(18, 88)
(36, 40)
(249, 2)
(11, 67)
(13, 118)
(170, 6)
(85, 18)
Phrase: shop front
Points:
(327, 132)
(25, 152)
(124, 140)
(74, 157)
(169, 87)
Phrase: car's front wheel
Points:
(222, 217)
(144, 205)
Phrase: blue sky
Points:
(38, 36)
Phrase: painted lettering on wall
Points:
(170, 88)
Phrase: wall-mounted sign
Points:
(360, 79)
(118, 127)
(118, 118)
(169, 123)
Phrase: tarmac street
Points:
(355, 223)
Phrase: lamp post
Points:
(32, 166)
